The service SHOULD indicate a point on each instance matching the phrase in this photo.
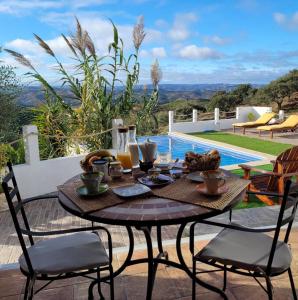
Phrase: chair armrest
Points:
(272, 194)
(290, 174)
(63, 231)
(27, 200)
(265, 172)
(239, 227)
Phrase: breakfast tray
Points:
(184, 190)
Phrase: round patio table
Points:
(144, 214)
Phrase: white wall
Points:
(37, 177)
(216, 124)
(44, 176)
(193, 127)
(243, 111)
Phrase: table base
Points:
(161, 258)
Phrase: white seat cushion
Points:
(247, 250)
(68, 253)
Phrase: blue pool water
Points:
(177, 147)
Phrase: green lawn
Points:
(268, 147)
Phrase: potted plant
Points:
(3, 162)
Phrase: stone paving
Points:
(170, 283)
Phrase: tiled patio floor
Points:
(170, 283)
(49, 215)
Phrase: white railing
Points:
(216, 123)
(36, 176)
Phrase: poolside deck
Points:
(279, 137)
(170, 283)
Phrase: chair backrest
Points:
(291, 121)
(265, 118)
(289, 203)
(10, 188)
(286, 162)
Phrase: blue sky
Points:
(200, 41)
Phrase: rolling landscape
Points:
(32, 96)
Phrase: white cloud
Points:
(159, 52)
(215, 39)
(85, 3)
(161, 23)
(195, 52)
(23, 46)
(22, 7)
(144, 53)
(179, 30)
(285, 21)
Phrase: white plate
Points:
(131, 190)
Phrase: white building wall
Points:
(217, 123)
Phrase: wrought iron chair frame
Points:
(11, 192)
(255, 274)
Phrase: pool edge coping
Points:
(266, 160)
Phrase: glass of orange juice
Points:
(124, 158)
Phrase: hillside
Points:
(32, 96)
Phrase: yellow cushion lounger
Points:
(262, 120)
(290, 124)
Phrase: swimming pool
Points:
(178, 146)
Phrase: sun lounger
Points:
(263, 120)
(290, 124)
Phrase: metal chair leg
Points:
(269, 288)
(99, 285)
(90, 290)
(26, 288)
(225, 279)
(111, 283)
(193, 293)
(31, 287)
(292, 284)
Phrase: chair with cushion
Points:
(249, 251)
(79, 252)
(262, 120)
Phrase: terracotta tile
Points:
(212, 296)
(65, 293)
(81, 291)
(11, 286)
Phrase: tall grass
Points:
(93, 82)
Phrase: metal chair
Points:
(80, 253)
(249, 251)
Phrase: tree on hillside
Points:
(228, 101)
(224, 101)
(243, 91)
(9, 91)
(281, 89)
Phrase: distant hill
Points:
(32, 96)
